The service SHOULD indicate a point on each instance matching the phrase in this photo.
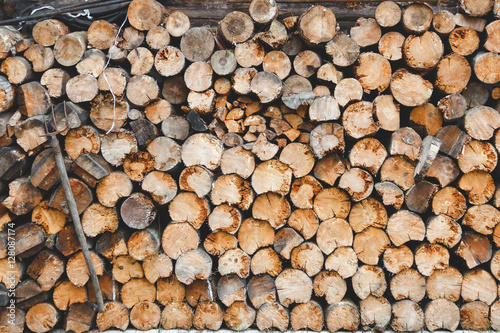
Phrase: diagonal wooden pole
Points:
(70, 199)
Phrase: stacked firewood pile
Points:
(271, 173)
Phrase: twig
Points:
(70, 199)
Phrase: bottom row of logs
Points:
(403, 316)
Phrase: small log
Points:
(350, 120)
(442, 313)
(410, 89)
(138, 211)
(145, 315)
(126, 268)
(408, 284)
(293, 286)
(417, 18)
(236, 27)
(304, 221)
(452, 106)
(70, 48)
(261, 290)
(161, 186)
(312, 23)
(419, 196)
(449, 201)
(188, 207)
(137, 165)
(175, 127)
(46, 269)
(77, 270)
(445, 283)
(239, 316)
(478, 185)
(66, 293)
(30, 239)
(343, 315)
(308, 257)
(42, 317)
(329, 168)
(285, 240)
(397, 259)
(369, 280)
(200, 291)
(328, 72)
(327, 138)
(369, 154)
(249, 54)
(67, 241)
(230, 289)
(17, 69)
(193, 264)
(170, 290)
(271, 315)
(267, 86)
(80, 317)
(443, 229)
(482, 67)
(348, 90)
(271, 207)
(474, 249)
(388, 14)
(399, 170)
(366, 32)
(102, 34)
(390, 193)
(141, 61)
(370, 244)
(275, 36)
(303, 192)
(41, 58)
(115, 315)
(482, 218)
(112, 79)
(390, 45)
(177, 315)
(136, 291)
(330, 285)
(217, 243)
(373, 71)
(266, 261)
(332, 234)
(476, 9)
(375, 312)
(407, 315)
(332, 202)
(423, 52)
(277, 62)
(357, 182)
(366, 213)
(225, 218)
(142, 89)
(82, 140)
(143, 244)
(23, 196)
(145, 14)
(429, 257)
(112, 188)
(307, 315)
(47, 32)
(479, 285)
(175, 232)
(196, 179)
(208, 315)
(166, 153)
(177, 24)
(474, 315)
(343, 261)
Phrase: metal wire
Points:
(62, 10)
